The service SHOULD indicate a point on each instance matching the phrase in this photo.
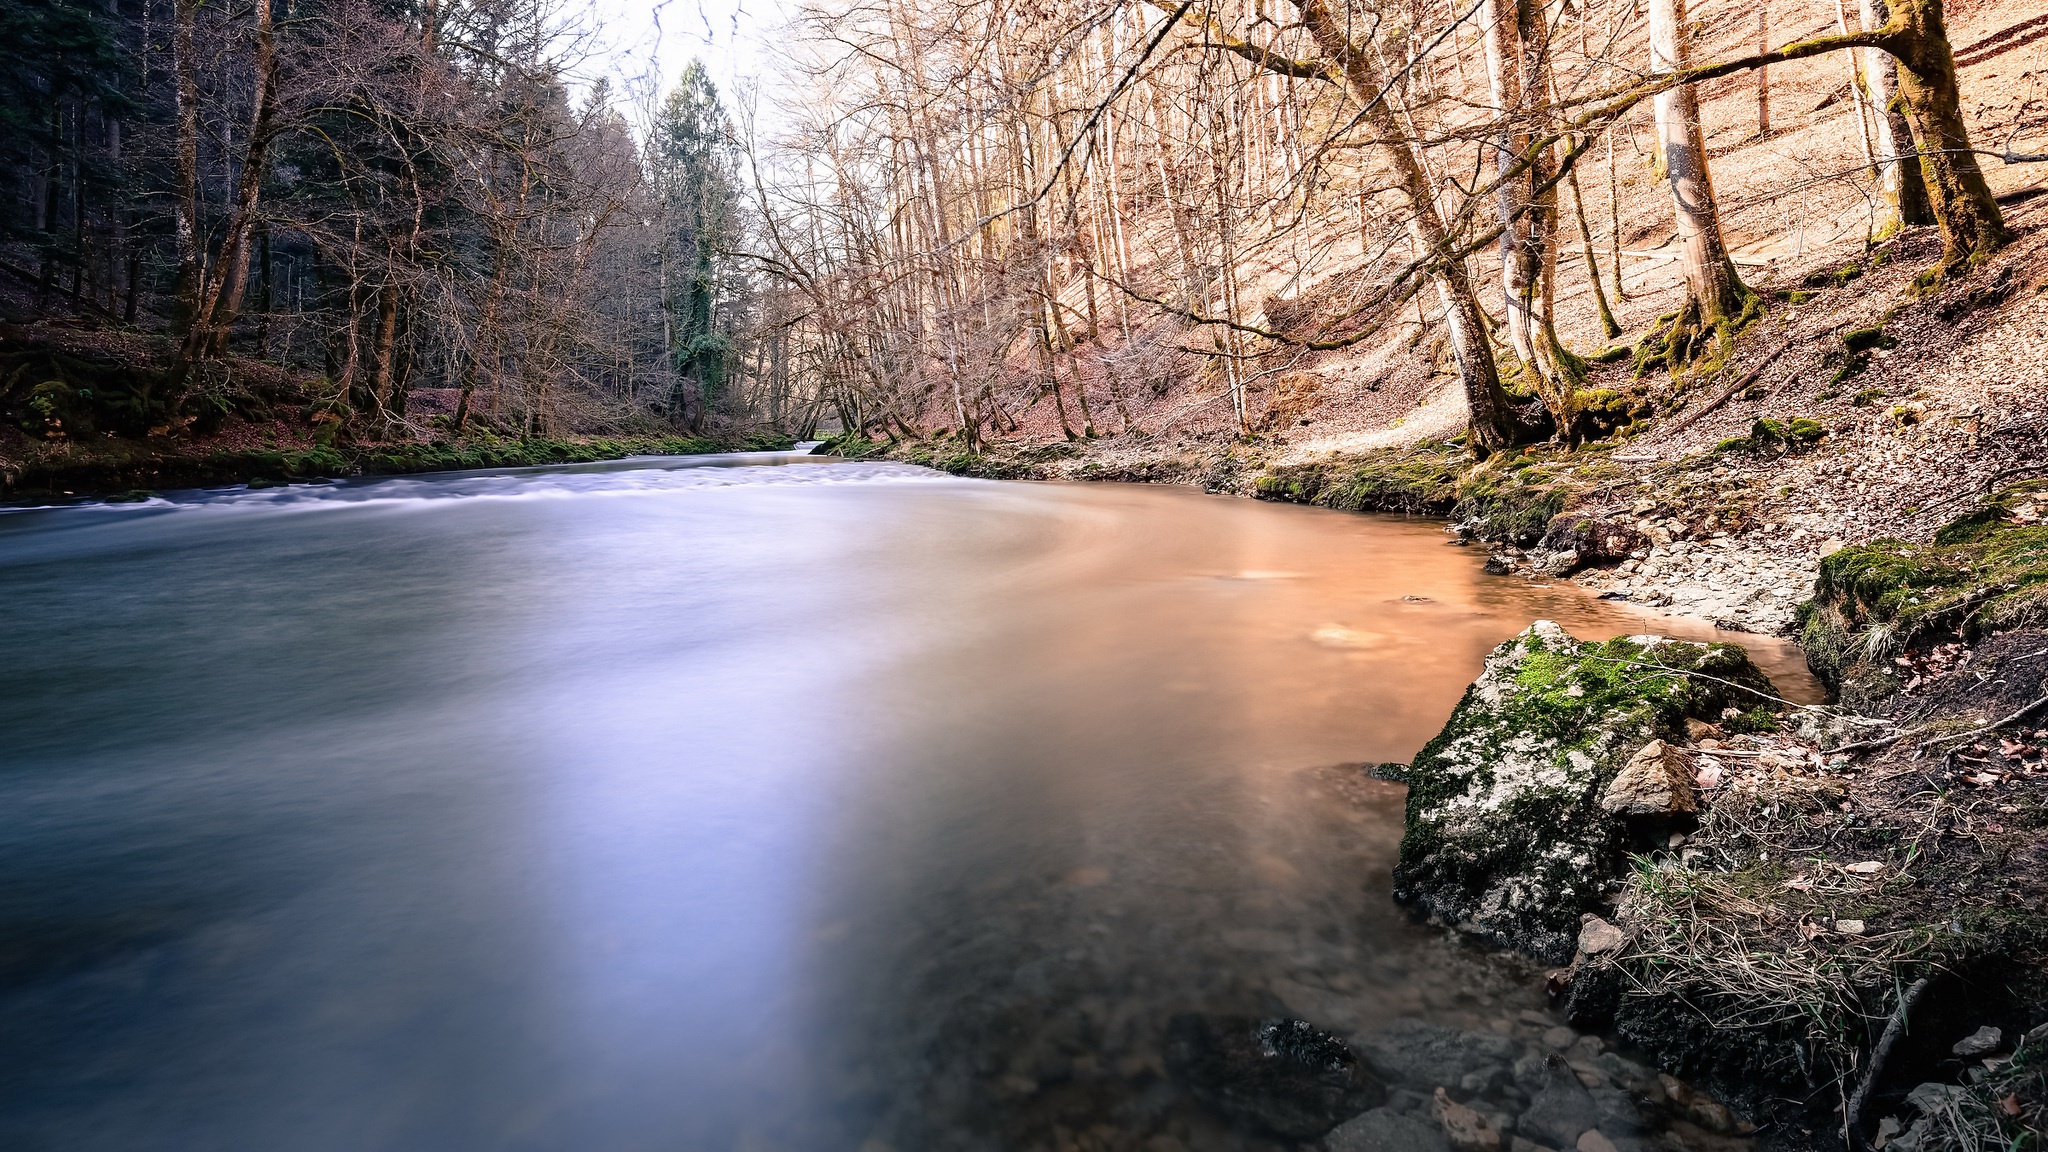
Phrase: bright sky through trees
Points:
(644, 45)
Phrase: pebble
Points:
(1593, 1141)
(1597, 936)
(1466, 1130)
(1983, 1042)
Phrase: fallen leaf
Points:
(1865, 867)
(1849, 927)
(2010, 1105)
(1799, 884)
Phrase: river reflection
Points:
(657, 806)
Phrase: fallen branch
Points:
(1748, 378)
(1991, 727)
(1852, 1118)
(1744, 261)
(1880, 742)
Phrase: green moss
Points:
(1866, 398)
(1986, 571)
(1611, 354)
(1506, 797)
(1774, 435)
(1852, 366)
(1864, 339)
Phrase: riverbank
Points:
(1869, 407)
(1840, 919)
(91, 412)
(119, 469)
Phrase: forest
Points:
(980, 222)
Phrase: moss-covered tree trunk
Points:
(1971, 224)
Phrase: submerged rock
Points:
(1506, 833)
(1466, 1129)
(1425, 1057)
(1385, 1130)
(1561, 1110)
(1287, 1077)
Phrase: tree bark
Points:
(1714, 294)
(1500, 40)
(220, 297)
(1900, 185)
(1971, 225)
(1492, 420)
(185, 18)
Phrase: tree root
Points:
(1852, 1115)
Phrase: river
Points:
(739, 803)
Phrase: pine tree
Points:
(697, 186)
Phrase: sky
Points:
(644, 41)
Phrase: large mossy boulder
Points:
(1506, 833)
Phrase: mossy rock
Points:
(1769, 435)
(1505, 836)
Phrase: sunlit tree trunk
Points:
(1714, 294)
(1492, 419)
(1900, 186)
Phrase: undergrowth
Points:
(118, 466)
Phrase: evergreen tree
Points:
(696, 179)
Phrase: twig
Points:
(1853, 1117)
(1880, 742)
(1746, 380)
(1993, 726)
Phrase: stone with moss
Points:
(1506, 837)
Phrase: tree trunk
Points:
(1493, 422)
(1971, 225)
(381, 349)
(1714, 294)
(1899, 181)
(185, 18)
(1763, 75)
(1501, 43)
(221, 296)
(1608, 324)
(1539, 242)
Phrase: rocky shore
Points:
(1832, 921)
(1770, 924)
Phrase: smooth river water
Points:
(741, 803)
